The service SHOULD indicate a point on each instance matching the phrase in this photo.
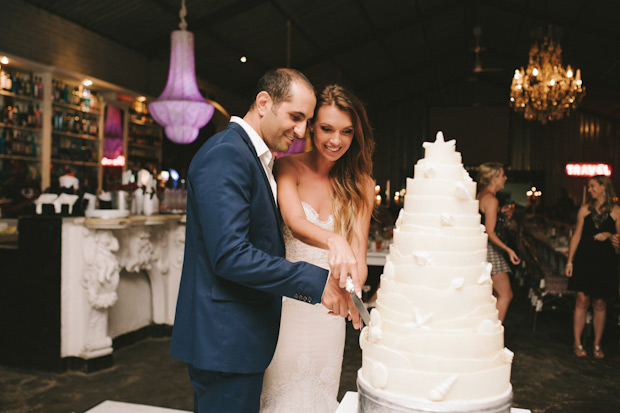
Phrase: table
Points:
(552, 251)
(110, 406)
(376, 258)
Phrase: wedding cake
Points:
(434, 342)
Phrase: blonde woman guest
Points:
(491, 179)
(591, 263)
(326, 198)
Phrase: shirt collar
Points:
(259, 144)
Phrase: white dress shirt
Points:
(266, 158)
(264, 154)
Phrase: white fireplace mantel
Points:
(95, 255)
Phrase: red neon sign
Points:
(118, 161)
(588, 169)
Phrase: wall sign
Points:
(118, 161)
(588, 169)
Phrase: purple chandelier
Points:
(181, 109)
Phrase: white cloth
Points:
(304, 374)
(263, 152)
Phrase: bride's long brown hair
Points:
(349, 172)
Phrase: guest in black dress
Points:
(591, 263)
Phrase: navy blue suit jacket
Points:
(234, 274)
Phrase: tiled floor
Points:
(546, 377)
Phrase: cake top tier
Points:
(441, 150)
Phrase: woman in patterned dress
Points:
(591, 263)
(491, 179)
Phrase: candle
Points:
(583, 196)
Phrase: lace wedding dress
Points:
(304, 374)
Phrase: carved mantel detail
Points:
(137, 251)
(100, 279)
(93, 260)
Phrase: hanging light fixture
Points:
(181, 109)
(545, 90)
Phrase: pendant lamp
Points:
(181, 109)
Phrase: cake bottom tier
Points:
(438, 387)
(372, 400)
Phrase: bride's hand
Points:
(602, 236)
(342, 262)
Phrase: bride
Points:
(326, 197)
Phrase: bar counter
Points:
(73, 286)
(73, 289)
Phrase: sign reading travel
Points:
(588, 169)
(118, 161)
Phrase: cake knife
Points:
(359, 304)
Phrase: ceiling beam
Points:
(299, 27)
(602, 32)
(405, 94)
(515, 41)
(404, 22)
(376, 34)
(427, 42)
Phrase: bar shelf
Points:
(75, 107)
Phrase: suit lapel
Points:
(252, 149)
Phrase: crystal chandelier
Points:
(181, 109)
(545, 90)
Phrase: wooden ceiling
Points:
(387, 50)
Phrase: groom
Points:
(228, 309)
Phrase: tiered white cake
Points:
(434, 342)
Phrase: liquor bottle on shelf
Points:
(27, 86)
(65, 94)
(34, 146)
(7, 84)
(17, 84)
(4, 79)
(40, 88)
(3, 142)
(38, 118)
(8, 117)
(36, 88)
(55, 91)
(17, 117)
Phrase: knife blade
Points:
(359, 304)
(361, 308)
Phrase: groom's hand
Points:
(335, 298)
(339, 302)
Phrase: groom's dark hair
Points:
(278, 83)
